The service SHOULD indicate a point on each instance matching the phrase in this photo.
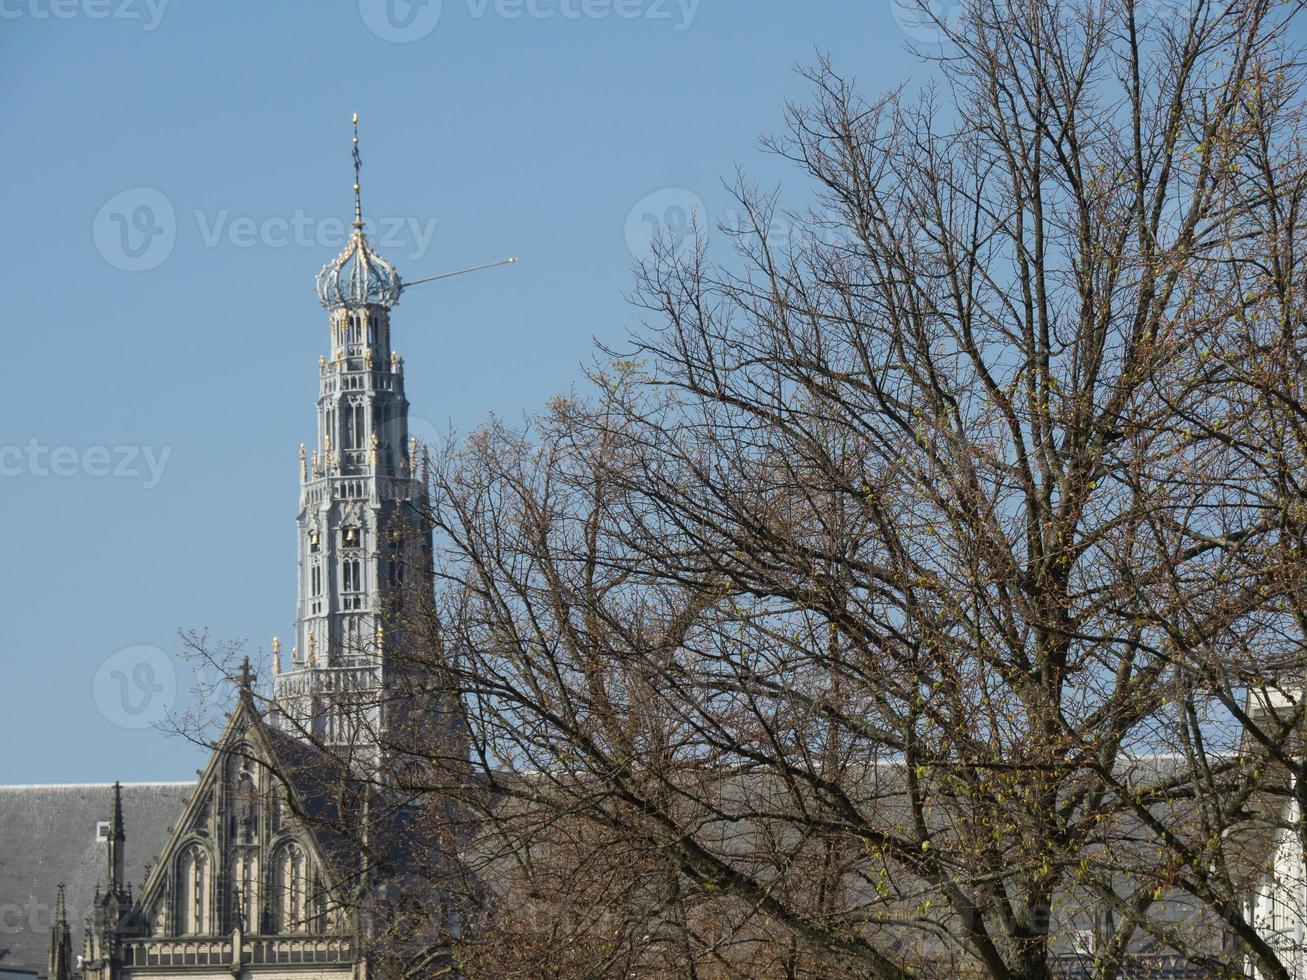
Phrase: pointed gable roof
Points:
(308, 781)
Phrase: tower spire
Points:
(358, 166)
(61, 941)
(117, 839)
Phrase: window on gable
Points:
(291, 884)
(193, 891)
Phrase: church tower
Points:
(364, 545)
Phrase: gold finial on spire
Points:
(358, 165)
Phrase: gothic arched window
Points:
(291, 889)
(355, 434)
(247, 884)
(193, 871)
(246, 815)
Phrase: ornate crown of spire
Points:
(358, 276)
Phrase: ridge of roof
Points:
(98, 785)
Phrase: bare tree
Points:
(897, 600)
(920, 595)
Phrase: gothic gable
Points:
(240, 855)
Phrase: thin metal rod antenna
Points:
(511, 260)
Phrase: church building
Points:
(252, 870)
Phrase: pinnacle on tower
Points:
(117, 842)
(61, 941)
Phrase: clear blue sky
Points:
(546, 129)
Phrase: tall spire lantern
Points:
(358, 276)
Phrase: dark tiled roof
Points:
(47, 836)
(331, 801)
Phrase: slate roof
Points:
(330, 800)
(48, 836)
(748, 826)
